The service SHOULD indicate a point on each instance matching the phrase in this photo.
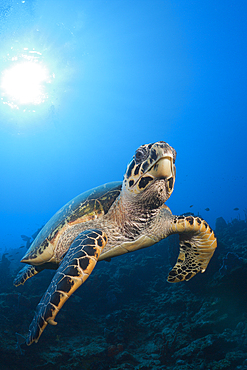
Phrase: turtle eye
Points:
(141, 154)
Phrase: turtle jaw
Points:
(164, 169)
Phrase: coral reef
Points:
(126, 316)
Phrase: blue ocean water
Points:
(126, 73)
(122, 74)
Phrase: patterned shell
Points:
(87, 206)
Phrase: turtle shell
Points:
(88, 206)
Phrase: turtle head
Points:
(151, 174)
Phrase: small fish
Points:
(22, 246)
(25, 238)
(191, 206)
(207, 209)
(236, 209)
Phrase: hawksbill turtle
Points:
(110, 220)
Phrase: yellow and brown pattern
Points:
(197, 245)
(75, 268)
(85, 207)
(133, 214)
(26, 273)
(146, 165)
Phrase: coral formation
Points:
(128, 317)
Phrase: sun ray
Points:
(24, 83)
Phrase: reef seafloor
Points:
(126, 316)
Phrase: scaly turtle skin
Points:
(111, 220)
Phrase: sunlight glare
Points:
(24, 83)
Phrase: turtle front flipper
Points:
(197, 245)
(74, 269)
(26, 273)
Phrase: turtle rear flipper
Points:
(74, 269)
(197, 245)
(25, 273)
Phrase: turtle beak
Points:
(163, 169)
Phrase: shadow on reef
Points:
(126, 316)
